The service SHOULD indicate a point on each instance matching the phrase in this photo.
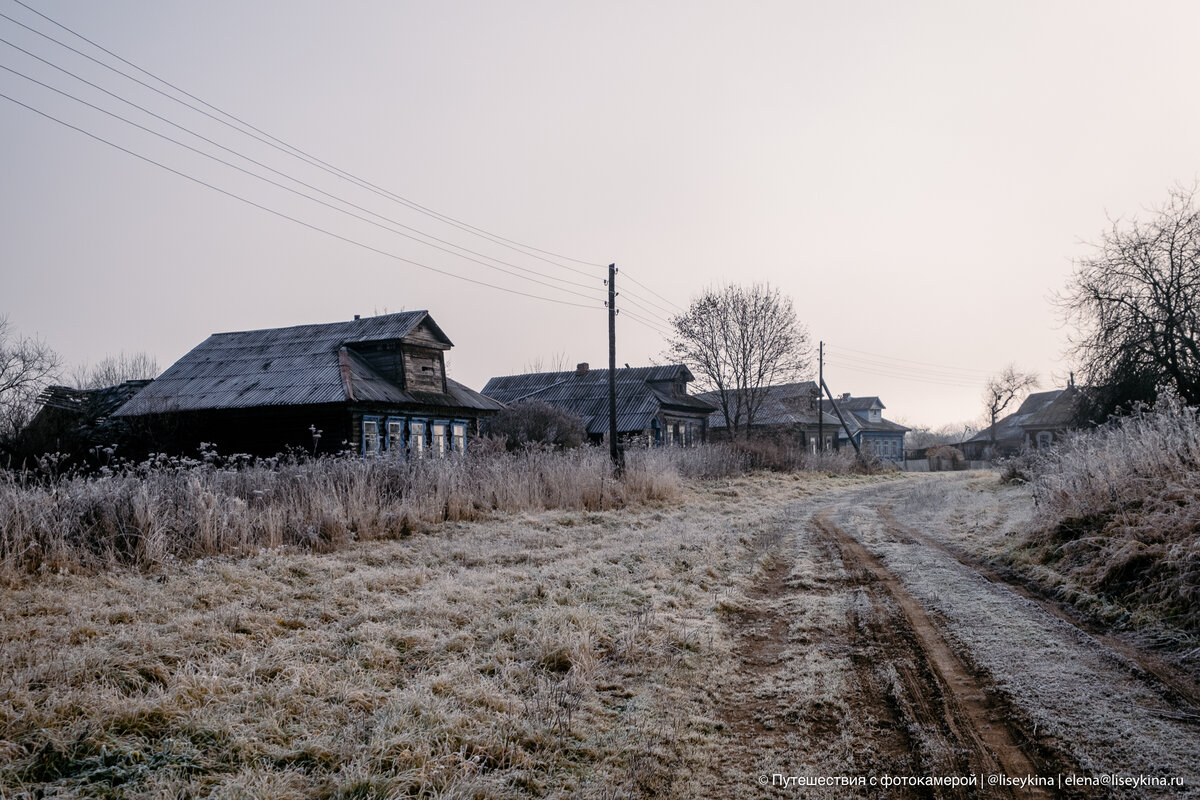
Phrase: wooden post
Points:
(841, 419)
(613, 450)
(820, 413)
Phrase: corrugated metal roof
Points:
(1008, 429)
(638, 402)
(849, 406)
(785, 404)
(298, 365)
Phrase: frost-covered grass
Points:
(151, 513)
(549, 653)
(1118, 514)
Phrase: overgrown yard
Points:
(548, 653)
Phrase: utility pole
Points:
(841, 419)
(820, 413)
(613, 450)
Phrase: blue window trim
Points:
(466, 425)
(424, 423)
(363, 429)
(387, 436)
(446, 443)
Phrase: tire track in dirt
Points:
(951, 703)
(840, 671)
(1179, 690)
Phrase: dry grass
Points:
(567, 652)
(1118, 516)
(148, 514)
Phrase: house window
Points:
(1044, 439)
(416, 438)
(874, 415)
(370, 436)
(437, 438)
(458, 436)
(395, 438)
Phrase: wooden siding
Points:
(424, 335)
(424, 370)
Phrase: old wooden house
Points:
(875, 435)
(376, 386)
(1008, 437)
(653, 404)
(789, 412)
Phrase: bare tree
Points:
(739, 341)
(112, 370)
(1000, 391)
(27, 364)
(555, 363)
(1135, 307)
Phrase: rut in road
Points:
(843, 673)
(950, 699)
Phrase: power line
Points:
(288, 188)
(911, 361)
(656, 294)
(625, 294)
(286, 216)
(871, 369)
(644, 323)
(279, 144)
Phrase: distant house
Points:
(1043, 428)
(875, 435)
(790, 410)
(653, 404)
(377, 386)
(1010, 436)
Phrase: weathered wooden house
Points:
(653, 404)
(375, 386)
(1046, 426)
(1008, 438)
(874, 434)
(790, 411)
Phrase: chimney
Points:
(356, 317)
(581, 368)
(845, 396)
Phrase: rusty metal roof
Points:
(299, 365)
(639, 401)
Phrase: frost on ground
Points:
(751, 627)
(555, 654)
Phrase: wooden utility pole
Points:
(841, 419)
(820, 413)
(613, 450)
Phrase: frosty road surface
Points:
(875, 649)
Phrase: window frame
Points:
(374, 420)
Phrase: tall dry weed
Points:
(1118, 512)
(145, 514)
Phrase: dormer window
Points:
(874, 415)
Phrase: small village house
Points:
(789, 412)
(653, 404)
(1009, 437)
(874, 434)
(376, 386)
(1045, 427)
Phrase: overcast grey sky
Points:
(916, 176)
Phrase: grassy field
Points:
(566, 652)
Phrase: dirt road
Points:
(878, 645)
